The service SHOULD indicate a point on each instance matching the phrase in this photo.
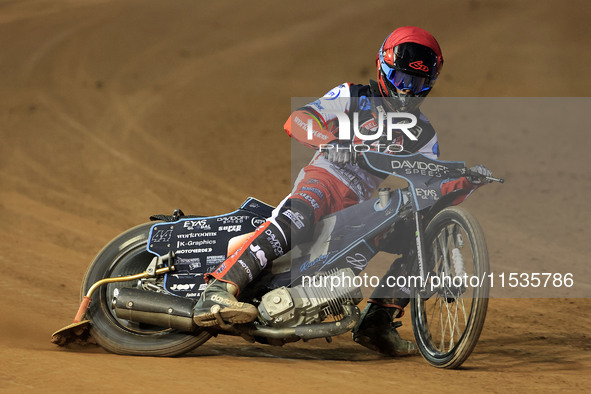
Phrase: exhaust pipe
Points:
(307, 331)
(162, 310)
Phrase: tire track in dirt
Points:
(90, 92)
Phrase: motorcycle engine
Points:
(310, 302)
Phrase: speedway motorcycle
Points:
(139, 292)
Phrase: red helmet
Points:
(409, 60)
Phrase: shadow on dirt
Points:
(559, 351)
(342, 349)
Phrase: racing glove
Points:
(477, 174)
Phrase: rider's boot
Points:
(234, 274)
(222, 294)
(377, 331)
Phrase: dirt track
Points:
(113, 110)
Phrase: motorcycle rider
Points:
(408, 64)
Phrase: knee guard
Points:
(296, 221)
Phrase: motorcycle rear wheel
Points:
(127, 255)
(447, 325)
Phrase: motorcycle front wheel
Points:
(127, 255)
(448, 312)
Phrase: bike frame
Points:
(344, 239)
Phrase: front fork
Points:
(419, 239)
(451, 262)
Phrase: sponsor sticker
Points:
(200, 224)
(215, 260)
(296, 218)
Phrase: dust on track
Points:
(107, 107)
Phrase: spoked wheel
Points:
(449, 313)
(127, 255)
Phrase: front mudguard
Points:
(444, 202)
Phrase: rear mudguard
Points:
(202, 244)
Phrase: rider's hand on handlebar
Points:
(339, 154)
(478, 174)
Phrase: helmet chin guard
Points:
(403, 102)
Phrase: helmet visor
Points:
(404, 81)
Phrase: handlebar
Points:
(493, 179)
(468, 173)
